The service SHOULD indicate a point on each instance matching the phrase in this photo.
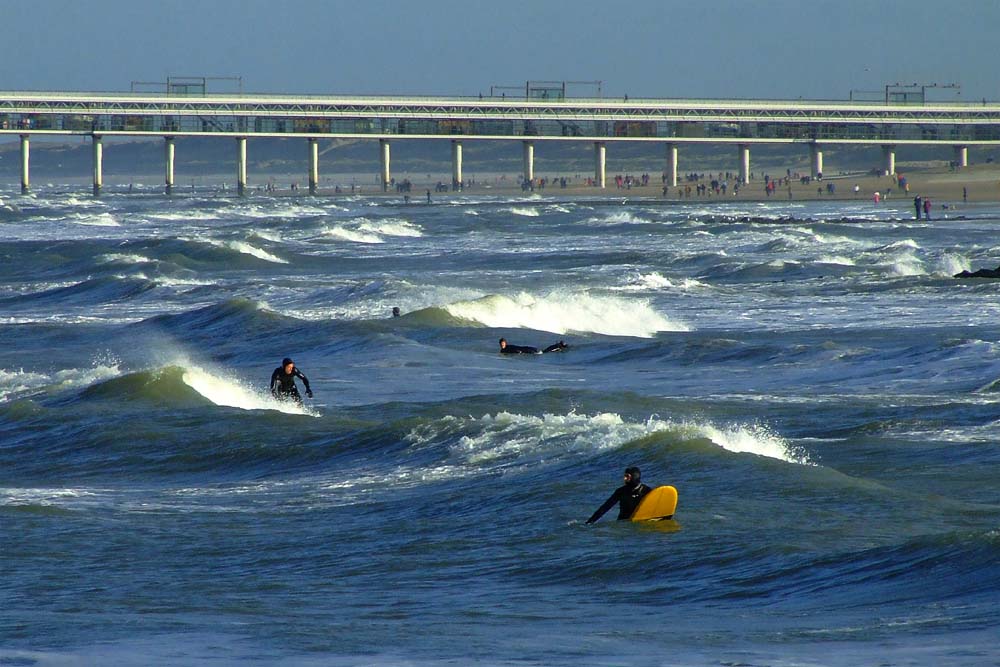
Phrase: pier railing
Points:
(672, 122)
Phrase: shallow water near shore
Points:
(809, 375)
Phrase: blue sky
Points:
(815, 49)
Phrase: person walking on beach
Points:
(283, 382)
(917, 204)
(627, 497)
(927, 208)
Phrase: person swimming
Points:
(507, 348)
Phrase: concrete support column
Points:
(25, 164)
(529, 160)
(600, 163)
(744, 164)
(98, 164)
(816, 151)
(383, 145)
(313, 165)
(456, 163)
(168, 159)
(961, 156)
(671, 171)
(888, 160)
(241, 166)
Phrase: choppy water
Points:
(821, 391)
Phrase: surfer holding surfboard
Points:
(637, 501)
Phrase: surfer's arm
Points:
(275, 382)
(305, 381)
(603, 509)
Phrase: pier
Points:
(602, 122)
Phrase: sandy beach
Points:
(977, 183)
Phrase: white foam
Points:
(907, 264)
(99, 220)
(124, 258)
(247, 249)
(751, 439)
(524, 211)
(643, 282)
(14, 384)
(653, 281)
(352, 235)
(505, 436)
(836, 259)
(391, 227)
(185, 215)
(268, 235)
(234, 393)
(950, 264)
(46, 497)
(907, 244)
(562, 312)
(620, 218)
(165, 281)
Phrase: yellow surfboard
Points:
(660, 503)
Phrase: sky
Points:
(772, 49)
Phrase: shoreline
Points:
(944, 186)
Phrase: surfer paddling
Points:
(627, 497)
(507, 348)
(283, 382)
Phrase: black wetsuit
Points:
(519, 349)
(627, 496)
(527, 349)
(283, 384)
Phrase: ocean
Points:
(820, 390)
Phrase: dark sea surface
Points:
(821, 391)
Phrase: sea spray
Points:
(562, 312)
(506, 437)
(234, 393)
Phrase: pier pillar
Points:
(961, 156)
(25, 164)
(671, 170)
(168, 158)
(313, 165)
(98, 164)
(744, 164)
(888, 160)
(529, 160)
(816, 152)
(600, 163)
(456, 164)
(383, 145)
(241, 166)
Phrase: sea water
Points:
(810, 376)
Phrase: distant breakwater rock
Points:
(981, 273)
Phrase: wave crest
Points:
(506, 437)
(564, 312)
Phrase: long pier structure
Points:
(671, 122)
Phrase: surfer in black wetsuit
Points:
(283, 382)
(627, 496)
(507, 348)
